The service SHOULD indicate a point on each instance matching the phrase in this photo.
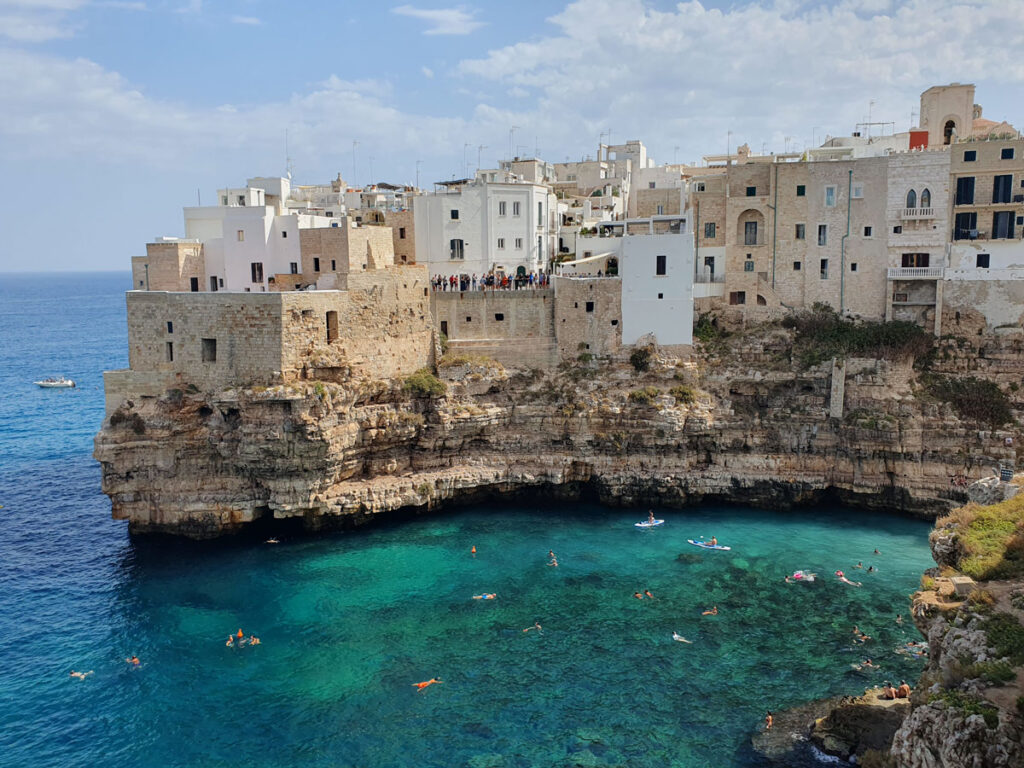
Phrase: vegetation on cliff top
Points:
(424, 384)
(822, 334)
(991, 538)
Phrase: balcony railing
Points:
(915, 273)
(708, 278)
(918, 214)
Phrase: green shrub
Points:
(822, 334)
(974, 399)
(991, 538)
(644, 396)
(640, 359)
(132, 421)
(424, 384)
(1006, 635)
(584, 357)
(969, 705)
(706, 331)
(320, 390)
(683, 394)
(993, 672)
(443, 341)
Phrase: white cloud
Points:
(427, 72)
(36, 21)
(251, 21)
(192, 6)
(122, 5)
(445, 21)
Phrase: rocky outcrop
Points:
(745, 427)
(859, 723)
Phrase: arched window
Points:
(926, 198)
(911, 199)
(948, 132)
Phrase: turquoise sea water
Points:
(349, 621)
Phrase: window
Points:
(748, 266)
(221, 281)
(469, 319)
(965, 226)
(334, 267)
(1001, 189)
(614, 323)
(519, 243)
(699, 186)
(169, 351)
(170, 327)
(651, 185)
(915, 260)
(898, 229)
(659, 265)
(911, 199)
(209, 350)
(830, 197)
(456, 249)
(970, 155)
(738, 297)
(332, 326)
(965, 190)
(590, 306)
(858, 192)
(316, 264)
(853, 266)
(454, 214)
(294, 268)
(193, 284)
(661, 210)
(801, 232)
(867, 231)
(499, 317)
(948, 131)
(223, 199)
(401, 233)
(797, 266)
(256, 270)
(751, 191)
(750, 233)
(801, 190)
(1006, 154)
(502, 206)
(283, 233)
(515, 209)
(1002, 225)
(824, 269)
(926, 198)
(661, 295)
(709, 262)
(981, 261)
(823, 234)
(540, 213)
(241, 199)
(709, 230)
(241, 235)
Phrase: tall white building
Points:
(494, 223)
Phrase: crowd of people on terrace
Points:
(490, 282)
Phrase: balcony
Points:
(917, 214)
(914, 273)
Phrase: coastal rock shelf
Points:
(742, 428)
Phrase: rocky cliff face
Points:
(741, 425)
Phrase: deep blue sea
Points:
(349, 621)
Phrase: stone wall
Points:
(402, 223)
(170, 267)
(597, 330)
(514, 327)
(648, 200)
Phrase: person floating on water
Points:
(842, 578)
(133, 660)
(877, 552)
(253, 640)
(80, 675)
(648, 593)
(638, 596)
(712, 611)
(679, 638)
(486, 596)
(859, 564)
(768, 721)
(899, 618)
(800, 576)
(427, 683)
(240, 634)
(472, 550)
(231, 641)
(866, 664)
(536, 625)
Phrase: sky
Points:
(117, 113)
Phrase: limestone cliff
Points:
(741, 422)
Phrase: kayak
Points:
(705, 545)
(646, 524)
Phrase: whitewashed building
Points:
(494, 223)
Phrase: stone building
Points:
(403, 235)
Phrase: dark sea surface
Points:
(349, 622)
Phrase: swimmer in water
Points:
(679, 638)
(859, 564)
(472, 550)
(638, 596)
(899, 618)
(427, 683)
(768, 721)
(713, 611)
(553, 562)
(240, 634)
(253, 640)
(486, 596)
(871, 569)
(648, 593)
(133, 660)
(877, 552)
(80, 675)
(842, 578)
(536, 625)
(272, 540)
(231, 641)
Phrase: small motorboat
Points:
(56, 383)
